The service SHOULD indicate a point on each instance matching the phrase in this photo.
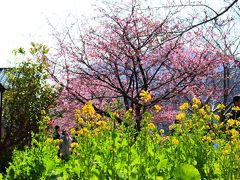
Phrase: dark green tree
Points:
(28, 94)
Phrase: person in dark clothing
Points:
(56, 134)
(235, 113)
(65, 145)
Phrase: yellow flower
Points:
(72, 131)
(208, 108)
(227, 149)
(202, 111)
(74, 145)
(196, 101)
(184, 106)
(151, 126)
(175, 141)
(220, 107)
(116, 114)
(145, 96)
(129, 113)
(195, 106)
(97, 130)
(43, 112)
(164, 138)
(207, 138)
(98, 117)
(231, 122)
(171, 127)
(181, 116)
(216, 117)
(49, 140)
(234, 133)
(207, 117)
(58, 141)
(83, 131)
(238, 123)
(88, 109)
(161, 131)
(101, 123)
(157, 108)
(237, 157)
(78, 118)
(130, 110)
(236, 108)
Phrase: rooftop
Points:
(3, 77)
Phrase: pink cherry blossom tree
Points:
(131, 48)
(223, 83)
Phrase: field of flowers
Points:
(198, 147)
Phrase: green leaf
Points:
(150, 150)
(186, 172)
(162, 164)
(159, 178)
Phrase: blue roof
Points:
(3, 77)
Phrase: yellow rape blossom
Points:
(58, 141)
(171, 127)
(83, 131)
(231, 122)
(128, 114)
(227, 149)
(116, 114)
(49, 140)
(78, 118)
(74, 145)
(157, 108)
(98, 117)
(161, 131)
(236, 108)
(220, 107)
(97, 130)
(72, 131)
(202, 112)
(184, 106)
(145, 96)
(208, 108)
(216, 117)
(88, 109)
(234, 133)
(195, 106)
(151, 126)
(175, 141)
(196, 101)
(207, 138)
(181, 116)
(101, 123)
(238, 123)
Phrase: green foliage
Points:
(102, 149)
(186, 172)
(33, 162)
(28, 94)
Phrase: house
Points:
(3, 81)
(3, 78)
